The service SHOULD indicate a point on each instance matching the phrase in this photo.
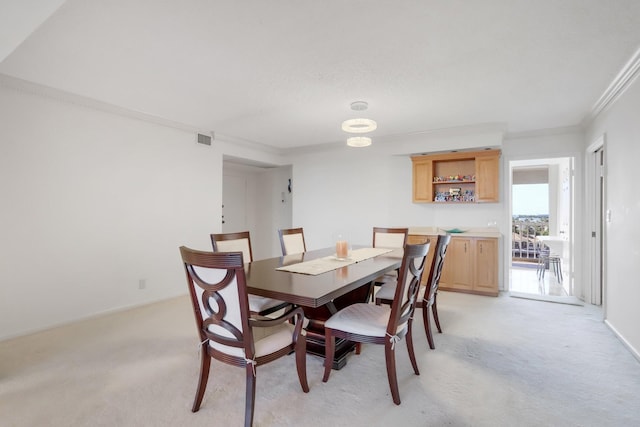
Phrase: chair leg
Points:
(329, 350)
(205, 365)
(301, 362)
(412, 354)
(358, 347)
(427, 326)
(390, 357)
(434, 310)
(250, 396)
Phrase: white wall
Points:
(355, 189)
(621, 124)
(270, 211)
(93, 202)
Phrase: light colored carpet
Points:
(500, 362)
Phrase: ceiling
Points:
(283, 73)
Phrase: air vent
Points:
(204, 139)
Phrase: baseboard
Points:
(548, 298)
(626, 343)
(88, 317)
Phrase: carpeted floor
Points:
(500, 362)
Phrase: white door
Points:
(234, 204)
(597, 229)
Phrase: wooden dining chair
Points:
(389, 237)
(428, 294)
(381, 324)
(393, 238)
(241, 241)
(228, 332)
(292, 241)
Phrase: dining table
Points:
(323, 294)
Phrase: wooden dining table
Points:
(320, 295)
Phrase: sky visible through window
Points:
(530, 199)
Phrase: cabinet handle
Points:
(480, 247)
(465, 247)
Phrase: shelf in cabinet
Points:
(453, 182)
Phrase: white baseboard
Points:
(626, 343)
(90, 316)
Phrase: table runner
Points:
(329, 263)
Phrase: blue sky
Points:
(530, 199)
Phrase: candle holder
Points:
(343, 248)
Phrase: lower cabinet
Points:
(470, 265)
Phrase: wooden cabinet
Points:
(471, 265)
(460, 177)
(486, 264)
(457, 272)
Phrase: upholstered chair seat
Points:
(363, 319)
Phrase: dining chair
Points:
(241, 241)
(292, 241)
(228, 332)
(388, 238)
(553, 261)
(382, 324)
(428, 294)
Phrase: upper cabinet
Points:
(460, 177)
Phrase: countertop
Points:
(487, 232)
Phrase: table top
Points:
(314, 291)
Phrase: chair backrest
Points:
(218, 290)
(442, 243)
(389, 237)
(292, 241)
(233, 242)
(405, 298)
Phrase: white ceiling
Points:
(284, 72)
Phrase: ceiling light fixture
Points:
(359, 125)
(359, 105)
(359, 141)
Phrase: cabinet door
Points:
(486, 254)
(422, 181)
(487, 184)
(457, 271)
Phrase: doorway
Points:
(595, 290)
(257, 198)
(542, 227)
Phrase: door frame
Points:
(595, 159)
(570, 274)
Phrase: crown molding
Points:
(620, 83)
(37, 89)
(26, 86)
(565, 130)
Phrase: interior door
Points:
(234, 204)
(597, 229)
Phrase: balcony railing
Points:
(525, 247)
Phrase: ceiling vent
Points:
(204, 139)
